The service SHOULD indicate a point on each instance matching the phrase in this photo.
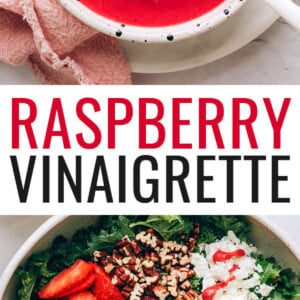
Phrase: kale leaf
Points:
(282, 280)
(165, 226)
(213, 228)
(28, 280)
(270, 272)
(106, 239)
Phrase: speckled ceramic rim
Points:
(55, 221)
(154, 34)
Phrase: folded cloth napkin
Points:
(58, 47)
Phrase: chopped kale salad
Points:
(157, 257)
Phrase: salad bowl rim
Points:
(54, 221)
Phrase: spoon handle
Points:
(288, 10)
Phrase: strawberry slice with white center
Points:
(77, 278)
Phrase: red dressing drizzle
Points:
(210, 292)
(222, 256)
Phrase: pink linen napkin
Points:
(58, 47)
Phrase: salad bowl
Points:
(267, 237)
(154, 34)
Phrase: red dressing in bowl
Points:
(151, 13)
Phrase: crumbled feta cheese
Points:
(264, 290)
(246, 276)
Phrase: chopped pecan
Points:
(138, 292)
(186, 285)
(160, 292)
(166, 258)
(148, 239)
(108, 268)
(124, 276)
(185, 260)
(117, 281)
(118, 257)
(127, 247)
(190, 295)
(148, 264)
(175, 247)
(173, 291)
(135, 271)
(164, 280)
(152, 280)
(192, 243)
(183, 274)
(126, 291)
(172, 286)
(151, 273)
(125, 295)
(98, 255)
(154, 257)
(196, 229)
(103, 259)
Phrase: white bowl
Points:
(154, 34)
(269, 239)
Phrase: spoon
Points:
(288, 10)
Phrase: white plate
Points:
(252, 20)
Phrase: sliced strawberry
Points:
(81, 296)
(103, 288)
(68, 281)
(81, 286)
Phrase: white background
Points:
(127, 141)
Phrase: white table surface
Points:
(272, 58)
(14, 230)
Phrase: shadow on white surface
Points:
(16, 75)
(273, 58)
